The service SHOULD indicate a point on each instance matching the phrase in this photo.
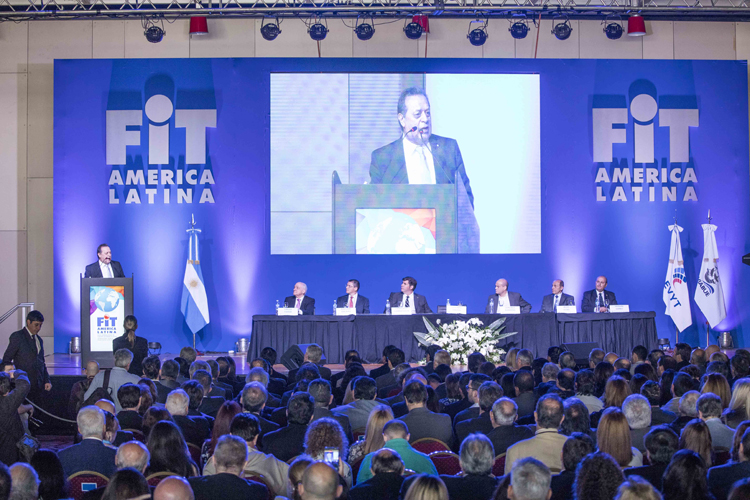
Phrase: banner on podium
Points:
(106, 315)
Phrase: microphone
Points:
(411, 129)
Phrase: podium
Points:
(454, 225)
(104, 304)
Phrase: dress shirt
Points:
(503, 301)
(353, 300)
(411, 301)
(298, 303)
(556, 299)
(415, 155)
(106, 270)
(35, 338)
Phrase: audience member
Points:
(452, 391)
(476, 481)
(685, 478)
(170, 370)
(709, 410)
(129, 396)
(173, 488)
(424, 487)
(52, 483)
(651, 391)
(585, 384)
(596, 356)
(373, 437)
(488, 393)
(169, 451)
(75, 402)
(395, 357)
(195, 430)
(687, 411)
(638, 357)
(288, 442)
(523, 383)
(320, 482)
(598, 477)
(549, 379)
(320, 390)
(637, 488)
(547, 443)
(577, 446)
(637, 411)
(324, 434)
(91, 454)
(567, 360)
(118, 376)
(722, 477)
(576, 419)
(153, 415)
(423, 423)
(739, 406)
(661, 444)
(221, 427)
(602, 372)
(126, 484)
(715, 383)
(740, 490)
(386, 469)
(697, 437)
(463, 384)
(505, 431)
(253, 400)
(24, 482)
(213, 397)
(11, 400)
(737, 440)
(529, 480)
(472, 391)
(510, 358)
(681, 384)
(613, 438)
(396, 437)
(364, 390)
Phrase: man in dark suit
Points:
(598, 296)
(129, 396)
(105, 267)
(229, 458)
(386, 481)
(300, 301)
(475, 381)
(488, 393)
(407, 298)
(353, 299)
(289, 442)
(10, 400)
(253, 400)
(195, 430)
(396, 357)
(661, 444)
(91, 454)
(503, 298)
(211, 401)
(722, 477)
(320, 390)
(26, 352)
(505, 432)
(557, 298)
(167, 380)
(384, 368)
(313, 355)
(423, 423)
(574, 450)
(476, 481)
(523, 382)
(418, 157)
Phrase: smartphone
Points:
(331, 456)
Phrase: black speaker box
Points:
(581, 351)
(294, 356)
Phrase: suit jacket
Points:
(285, 443)
(12, 426)
(420, 302)
(548, 302)
(482, 425)
(470, 486)
(163, 388)
(562, 485)
(21, 351)
(94, 271)
(130, 419)
(307, 306)
(515, 300)
(505, 436)
(722, 477)
(388, 165)
(467, 414)
(399, 409)
(276, 385)
(454, 409)
(381, 370)
(227, 487)
(721, 435)
(324, 373)
(660, 416)
(546, 446)
(195, 430)
(651, 473)
(228, 389)
(211, 404)
(589, 300)
(384, 486)
(343, 420)
(385, 380)
(526, 403)
(358, 412)
(139, 350)
(422, 423)
(362, 306)
(89, 454)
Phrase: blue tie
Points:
(407, 301)
(555, 306)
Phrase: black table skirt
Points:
(616, 332)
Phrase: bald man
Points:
(174, 488)
(598, 300)
(320, 482)
(503, 298)
(133, 454)
(106, 405)
(300, 301)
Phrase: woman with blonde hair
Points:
(510, 358)
(739, 406)
(615, 393)
(136, 345)
(715, 383)
(696, 437)
(426, 487)
(613, 438)
(373, 439)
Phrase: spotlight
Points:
(153, 32)
(562, 30)
(270, 31)
(413, 30)
(317, 31)
(198, 25)
(477, 36)
(364, 31)
(636, 25)
(613, 27)
(519, 30)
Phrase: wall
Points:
(28, 49)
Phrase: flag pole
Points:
(192, 232)
(708, 325)
(677, 329)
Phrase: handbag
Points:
(27, 446)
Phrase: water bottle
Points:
(447, 303)
(492, 306)
(388, 307)
(277, 308)
(596, 306)
(334, 308)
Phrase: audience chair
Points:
(446, 462)
(408, 472)
(355, 467)
(155, 478)
(721, 456)
(195, 454)
(138, 435)
(259, 478)
(428, 445)
(498, 468)
(84, 481)
(361, 431)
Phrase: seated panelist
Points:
(606, 298)
(557, 298)
(503, 298)
(353, 299)
(407, 298)
(300, 301)
(105, 267)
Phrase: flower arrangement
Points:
(461, 338)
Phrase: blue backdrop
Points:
(582, 235)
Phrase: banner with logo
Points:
(568, 169)
(106, 315)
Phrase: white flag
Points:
(709, 295)
(675, 293)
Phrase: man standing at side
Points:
(598, 296)
(503, 298)
(407, 298)
(26, 352)
(353, 300)
(105, 267)
(557, 298)
(300, 301)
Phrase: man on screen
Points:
(418, 156)
(407, 298)
(353, 299)
(503, 298)
(605, 298)
(105, 267)
(300, 301)
(557, 298)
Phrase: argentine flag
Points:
(194, 304)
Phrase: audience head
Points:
(24, 482)
(254, 397)
(320, 482)
(550, 371)
(308, 373)
(91, 422)
(204, 378)
(188, 354)
(443, 371)
(740, 364)
(123, 357)
(637, 411)
(585, 383)
(246, 427)
(442, 357)
(652, 392)
(395, 429)
(681, 384)
(688, 404)
(269, 354)
(530, 479)
(504, 412)
(553, 354)
(740, 401)
(602, 372)
(300, 408)
(379, 416)
(153, 415)
(661, 444)
(613, 436)
(52, 484)
(697, 437)
(194, 391)
(364, 388)
(577, 446)
(476, 455)
(686, 477)
(106, 406)
(597, 477)
(170, 369)
(178, 402)
(151, 366)
(549, 412)
(488, 393)
(134, 455)
(320, 390)
(474, 361)
(259, 375)
(715, 383)
(568, 360)
(510, 358)
(523, 381)
(739, 433)
(198, 365)
(637, 381)
(230, 455)
(577, 418)
(615, 392)
(524, 358)
(395, 357)
(596, 356)
(566, 380)
(386, 461)
(325, 433)
(415, 393)
(637, 488)
(426, 487)
(740, 490)
(314, 353)
(682, 352)
(709, 406)
(126, 484)
(168, 449)
(173, 488)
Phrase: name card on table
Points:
(509, 310)
(455, 309)
(287, 311)
(566, 309)
(346, 311)
(618, 308)
(401, 311)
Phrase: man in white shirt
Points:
(502, 299)
(407, 298)
(353, 300)
(557, 298)
(300, 301)
(105, 267)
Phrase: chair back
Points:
(138, 435)
(195, 454)
(260, 478)
(721, 456)
(408, 472)
(86, 480)
(360, 431)
(355, 467)
(446, 462)
(428, 445)
(498, 468)
(155, 478)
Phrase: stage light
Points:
(613, 28)
(413, 31)
(198, 25)
(636, 25)
(270, 31)
(562, 30)
(519, 30)
(154, 33)
(365, 30)
(477, 36)
(317, 31)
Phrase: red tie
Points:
(351, 302)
